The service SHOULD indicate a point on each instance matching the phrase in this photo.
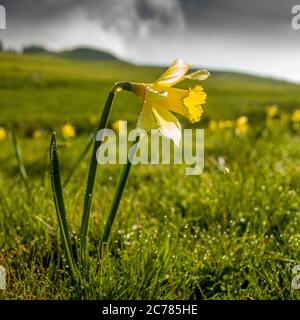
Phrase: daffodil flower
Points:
(160, 100)
(242, 125)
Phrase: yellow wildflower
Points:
(159, 98)
(37, 134)
(272, 111)
(296, 116)
(242, 126)
(68, 131)
(228, 124)
(225, 124)
(2, 133)
(213, 125)
(221, 124)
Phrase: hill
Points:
(80, 53)
(87, 54)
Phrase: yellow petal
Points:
(199, 75)
(146, 120)
(168, 125)
(173, 101)
(155, 96)
(174, 74)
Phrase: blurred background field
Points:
(230, 233)
(37, 89)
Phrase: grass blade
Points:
(19, 157)
(59, 204)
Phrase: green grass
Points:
(213, 236)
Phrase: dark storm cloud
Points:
(150, 9)
(252, 35)
(108, 14)
(51, 9)
(32, 11)
(209, 14)
(238, 15)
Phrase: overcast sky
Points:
(246, 35)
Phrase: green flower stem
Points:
(93, 168)
(118, 195)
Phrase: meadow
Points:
(232, 232)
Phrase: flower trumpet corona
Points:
(160, 100)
